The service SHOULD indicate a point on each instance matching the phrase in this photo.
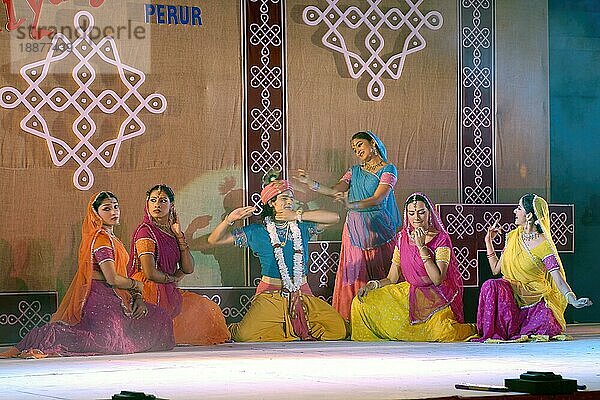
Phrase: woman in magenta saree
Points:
(372, 221)
(529, 301)
(160, 257)
(428, 305)
(102, 311)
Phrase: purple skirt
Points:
(104, 329)
(499, 317)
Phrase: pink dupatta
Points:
(166, 256)
(424, 297)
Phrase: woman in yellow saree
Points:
(532, 295)
(428, 305)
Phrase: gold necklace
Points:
(285, 226)
(163, 227)
(373, 167)
(529, 236)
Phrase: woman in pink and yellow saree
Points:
(426, 304)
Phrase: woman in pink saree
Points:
(426, 304)
(160, 257)
(529, 301)
(102, 311)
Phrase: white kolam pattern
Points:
(476, 153)
(266, 76)
(29, 316)
(374, 63)
(83, 100)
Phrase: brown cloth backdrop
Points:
(195, 145)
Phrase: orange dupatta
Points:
(71, 306)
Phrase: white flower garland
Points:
(298, 254)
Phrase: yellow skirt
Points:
(268, 320)
(383, 315)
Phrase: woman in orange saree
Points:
(102, 311)
(160, 257)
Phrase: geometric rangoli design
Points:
(30, 316)
(83, 99)
(476, 103)
(467, 225)
(323, 261)
(265, 104)
(375, 64)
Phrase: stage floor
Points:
(304, 370)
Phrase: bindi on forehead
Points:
(415, 206)
(159, 195)
(418, 210)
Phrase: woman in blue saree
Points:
(367, 190)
